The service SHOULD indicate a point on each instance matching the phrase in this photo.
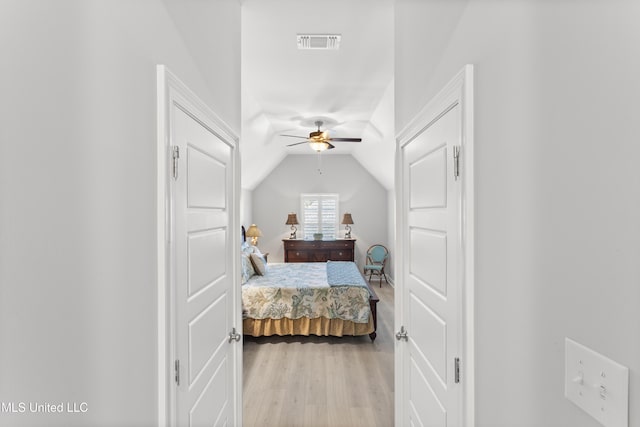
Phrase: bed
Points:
(317, 298)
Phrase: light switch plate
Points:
(597, 384)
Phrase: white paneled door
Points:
(203, 267)
(431, 322)
(203, 344)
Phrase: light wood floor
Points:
(322, 381)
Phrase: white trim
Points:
(162, 238)
(171, 91)
(459, 91)
(399, 302)
(468, 243)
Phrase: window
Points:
(319, 215)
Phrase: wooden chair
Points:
(376, 259)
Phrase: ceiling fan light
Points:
(319, 146)
(316, 136)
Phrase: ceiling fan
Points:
(320, 140)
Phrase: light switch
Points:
(597, 384)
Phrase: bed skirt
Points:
(320, 326)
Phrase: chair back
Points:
(377, 254)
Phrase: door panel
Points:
(204, 247)
(431, 338)
(204, 260)
(201, 348)
(430, 172)
(429, 259)
(430, 412)
(206, 179)
(212, 400)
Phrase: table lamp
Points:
(347, 220)
(254, 232)
(292, 220)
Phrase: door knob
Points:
(233, 335)
(402, 334)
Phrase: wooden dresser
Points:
(319, 250)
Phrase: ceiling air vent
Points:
(319, 41)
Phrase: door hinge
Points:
(177, 369)
(233, 335)
(175, 155)
(456, 374)
(456, 162)
(402, 334)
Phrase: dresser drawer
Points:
(344, 255)
(298, 256)
(319, 256)
(301, 244)
(337, 245)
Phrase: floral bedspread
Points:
(295, 290)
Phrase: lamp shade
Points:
(292, 219)
(254, 231)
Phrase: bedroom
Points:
(285, 92)
(557, 214)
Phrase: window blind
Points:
(319, 215)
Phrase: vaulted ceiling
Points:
(286, 89)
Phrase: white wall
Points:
(557, 203)
(77, 211)
(246, 209)
(359, 193)
(391, 228)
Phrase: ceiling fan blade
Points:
(330, 146)
(295, 136)
(345, 139)
(297, 143)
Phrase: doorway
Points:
(458, 369)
